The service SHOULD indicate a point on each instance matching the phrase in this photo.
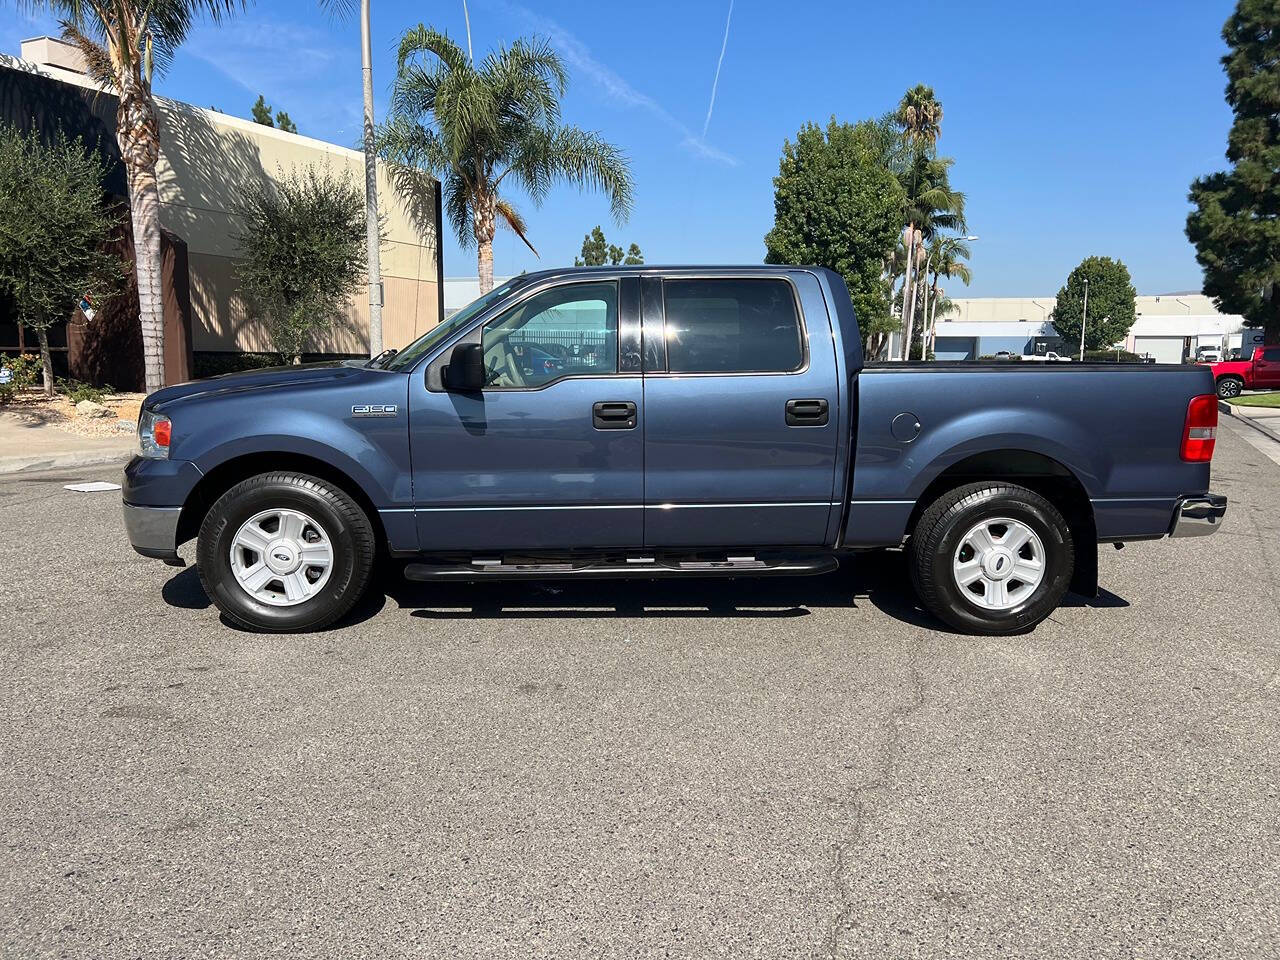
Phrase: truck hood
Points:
(309, 375)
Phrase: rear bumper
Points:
(153, 531)
(1198, 516)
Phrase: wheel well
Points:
(1047, 477)
(1228, 376)
(226, 475)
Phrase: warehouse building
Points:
(206, 159)
(1170, 328)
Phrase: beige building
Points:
(207, 158)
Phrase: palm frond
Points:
(511, 218)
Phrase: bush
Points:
(24, 371)
(205, 365)
(76, 391)
(1111, 356)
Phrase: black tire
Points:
(345, 524)
(937, 537)
(1229, 387)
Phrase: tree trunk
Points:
(908, 289)
(911, 313)
(46, 361)
(483, 228)
(138, 134)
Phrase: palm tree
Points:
(931, 206)
(123, 41)
(920, 117)
(478, 126)
(946, 259)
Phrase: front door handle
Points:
(807, 413)
(613, 415)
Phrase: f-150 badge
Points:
(374, 410)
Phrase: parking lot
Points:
(796, 768)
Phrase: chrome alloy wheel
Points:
(281, 557)
(998, 564)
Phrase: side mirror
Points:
(465, 372)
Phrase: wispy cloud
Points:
(724, 45)
(297, 69)
(613, 87)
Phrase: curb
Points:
(1229, 410)
(63, 461)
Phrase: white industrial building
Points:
(1169, 327)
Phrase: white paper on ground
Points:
(97, 486)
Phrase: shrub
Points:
(24, 370)
(76, 391)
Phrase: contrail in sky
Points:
(719, 63)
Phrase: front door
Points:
(741, 413)
(549, 456)
(1266, 369)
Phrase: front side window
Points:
(732, 326)
(570, 330)
(1271, 356)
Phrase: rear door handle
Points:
(807, 413)
(613, 415)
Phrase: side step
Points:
(644, 569)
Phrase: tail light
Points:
(1201, 430)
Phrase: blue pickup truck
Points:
(666, 422)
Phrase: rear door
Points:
(741, 411)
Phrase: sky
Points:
(1076, 127)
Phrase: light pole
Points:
(373, 239)
(931, 326)
(1084, 318)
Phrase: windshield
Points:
(410, 355)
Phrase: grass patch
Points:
(1257, 400)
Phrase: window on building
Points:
(732, 326)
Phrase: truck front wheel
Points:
(285, 552)
(991, 558)
(1229, 387)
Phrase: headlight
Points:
(154, 433)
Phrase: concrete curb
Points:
(1229, 410)
(63, 461)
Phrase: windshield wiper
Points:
(382, 357)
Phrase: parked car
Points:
(1260, 372)
(735, 431)
(1049, 357)
(1208, 355)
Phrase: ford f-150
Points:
(666, 422)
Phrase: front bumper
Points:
(1198, 516)
(153, 531)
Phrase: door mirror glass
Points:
(465, 372)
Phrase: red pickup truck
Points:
(1262, 372)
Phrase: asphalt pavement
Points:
(801, 768)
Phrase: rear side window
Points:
(732, 326)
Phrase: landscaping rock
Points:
(87, 408)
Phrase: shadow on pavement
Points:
(878, 578)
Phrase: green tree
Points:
(1234, 227)
(262, 112)
(54, 226)
(303, 244)
(124, 42)
(596, 252)
(837, 205)
(476, 126)
(1112, 304)
(283, 122)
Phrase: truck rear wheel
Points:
(991, 558)
(285, 552)
(1229, 387)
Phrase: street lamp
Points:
(1084, 318)
(931, 328)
